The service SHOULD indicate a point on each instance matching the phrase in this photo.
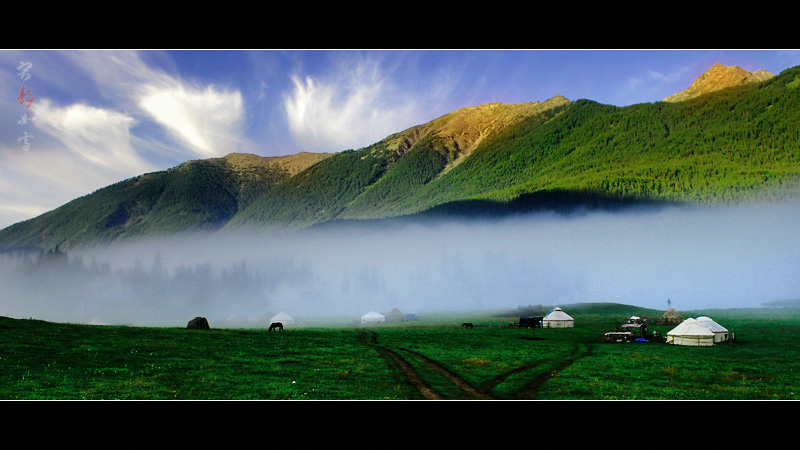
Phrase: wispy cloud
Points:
(101, 136)
(76, 149)
(204, 120)
(355, 106)
(123, 114)
(654, 85)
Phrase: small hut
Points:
(671, 317)
(720, 332)
(531, 322)
(395, 316)
(558, 319)
(372, 317)
(691, 332)
(283, 318)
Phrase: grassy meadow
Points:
(430, 358)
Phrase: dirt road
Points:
(469, 391)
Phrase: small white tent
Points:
(558, 319)
(720, 332)
(690, 332)
(283, 318)
(372, 318)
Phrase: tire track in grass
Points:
(532, 387)
(530, 390)
(417, 381)
(503, 377)
(453, 378)
(411, 375)
(580, 351)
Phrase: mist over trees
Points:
(55, 284)
(699, 257)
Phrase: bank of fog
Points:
(693, 257)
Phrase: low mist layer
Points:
(695, 257)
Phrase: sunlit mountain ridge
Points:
(719, 143)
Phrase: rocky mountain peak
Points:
(466, 127)
(719, 77)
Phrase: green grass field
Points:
(431, 358)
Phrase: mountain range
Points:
(732, 136)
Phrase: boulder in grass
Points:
(198, 323)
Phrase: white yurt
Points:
(372, 318)
(720, 332)
(558, 319)
(690, 332)
(283, 318)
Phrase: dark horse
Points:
(466, 325)
(276, 326)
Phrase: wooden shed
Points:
(531, 322)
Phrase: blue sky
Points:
(101, 116)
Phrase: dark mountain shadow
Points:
(561, 202)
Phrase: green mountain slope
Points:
(195, 196)
(735, 145)
(379, 180)
(731, 145)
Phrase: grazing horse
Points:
(276, 326)
(466, 325)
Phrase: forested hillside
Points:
(198, 195)
(739, 144)
(380, 180)
(735, 145)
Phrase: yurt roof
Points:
(690, 327)
(672, 312)
(281, 316)
(373, 315)
(394, 312)
(558, 314)
(709, 323)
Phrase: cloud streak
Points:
(205, 120)
(356, 106)
(202, 120)
(121, 118)
(100, 136)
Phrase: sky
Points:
(90, 118)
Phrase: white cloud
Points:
(354, 108)
(10, 214)
(653, 85)
(83, 146)
(204, 120)
(677, 75)
(46, 177)
(76, 150)
(101, 136)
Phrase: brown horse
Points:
(276, 326)
(466, 325)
